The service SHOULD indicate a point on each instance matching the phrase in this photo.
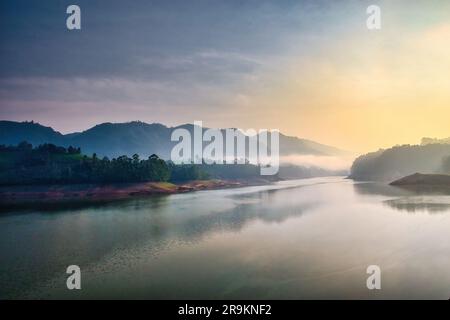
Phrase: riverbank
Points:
(12, 197)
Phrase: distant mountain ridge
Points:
(115, 139)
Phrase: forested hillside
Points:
(51, 164)
(400, 161)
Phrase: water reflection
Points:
(93, 231)
(411, 200)
(420, 204)
(379, 188)
(304, 239)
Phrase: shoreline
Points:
(424, 183)
(31, 196)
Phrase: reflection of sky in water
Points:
(297, 239)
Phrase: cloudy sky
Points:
(309, 68)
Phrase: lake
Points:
(302, 239)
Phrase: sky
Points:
(311, 69)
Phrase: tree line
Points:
(400, 161)
(51, 164)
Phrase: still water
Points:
(303, 239)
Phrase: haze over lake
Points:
(311, 238)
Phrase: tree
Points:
(25, 146)
(48, 164)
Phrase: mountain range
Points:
(115, 139)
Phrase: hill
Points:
(144, 139)
(400, 161)
(12, 133)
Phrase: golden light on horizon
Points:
(365, 92)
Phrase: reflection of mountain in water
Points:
(437, 204)
(138, 229)
(406, 199)
(268, 206)
(379, 188)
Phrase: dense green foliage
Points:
(400, 161)
(186, 172)
(48, 163)
(51, 164)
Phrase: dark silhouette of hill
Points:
(144, 139)
(400, 161)
(419, 179)
(12, 133)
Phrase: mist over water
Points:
(326, 162)
(311, 238)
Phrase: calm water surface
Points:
(302, 239)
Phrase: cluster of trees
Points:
(400, 161)
(48, 163)
(51, 164)
(186, 172)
